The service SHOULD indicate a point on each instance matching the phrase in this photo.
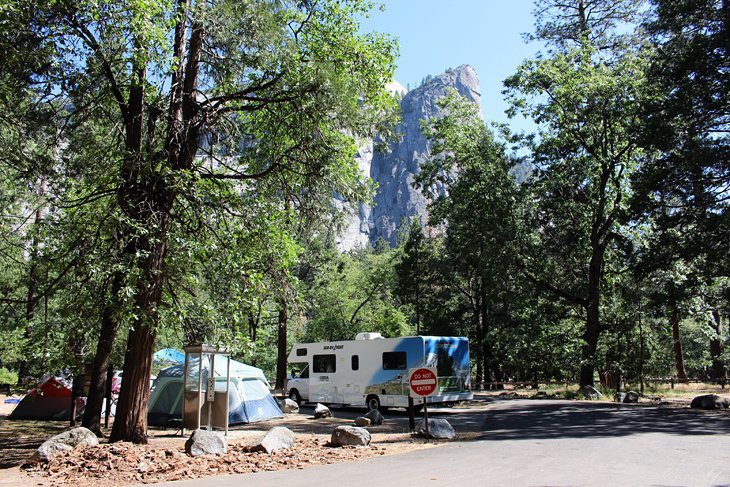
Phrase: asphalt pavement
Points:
(541, 443)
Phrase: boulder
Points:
(64, 442)
(277, 438)
(591, 392)
(322, 411)
(438, 429)
(350, 436)
(631, 397)
(362, 421)
(204, 442)
(290, 406)
(376, 419)
(710, 401)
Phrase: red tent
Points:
(49, 401)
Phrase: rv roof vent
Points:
(368, 336)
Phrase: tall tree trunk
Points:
(281, 346)
(716, 348)
(130, 422)
(479, 334)
(678, 354)
(593, 317)
(104, 348)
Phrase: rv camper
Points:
(372, 371)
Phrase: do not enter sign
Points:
(423, 381)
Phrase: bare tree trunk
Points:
(678, 354)
(104, 348)
(281, 346)
(130, 422)
(593, 317)
(716, 348)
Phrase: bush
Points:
(7, 376)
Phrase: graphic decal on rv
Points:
(395, 381)
(450, 356)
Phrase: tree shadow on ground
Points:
(563, 419)
(19, 438)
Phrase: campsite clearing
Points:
(491, 418)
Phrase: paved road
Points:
(557, 443)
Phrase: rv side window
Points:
(355, 362)
(324, 364)
(394, 360)
(301, 352)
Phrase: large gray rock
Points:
(362, 422)
(631, 397)
(277, 438)
(64, 442)
(394, 169)
(204, 442)
(376, 419)
(438, 428)
(710, 401)
(591, 392)
(322, 411)
(290, 407)
(350, 436)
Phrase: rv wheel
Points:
(294, 396)
(373, 402)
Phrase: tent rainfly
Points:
(249, 396)
(49, 401)
(169, 355)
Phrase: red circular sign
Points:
(423, 382)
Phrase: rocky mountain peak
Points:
(394, 169)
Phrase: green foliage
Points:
(7, 376)
(354, 293)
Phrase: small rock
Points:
(438, 429)
(591, 392)
(64, 442)
(322, 411)
(631, 397)
(376, 419)
(362, 422)
(710, 401)
(350, 435)
(540, 394)
(290, 406)
(277, 438)
(204, 442)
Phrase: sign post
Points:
(423, 382)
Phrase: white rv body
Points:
(373, 371)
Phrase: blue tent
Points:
(169, 355)
(249, 396)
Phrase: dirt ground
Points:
(164, 458)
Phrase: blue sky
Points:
(437, 34)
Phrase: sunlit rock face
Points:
(394, 169)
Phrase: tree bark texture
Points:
(676, 339)
(104, 348)
(281, 346)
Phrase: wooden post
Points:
(425, 416)
(411, 415)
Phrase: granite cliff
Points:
(394, 168)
